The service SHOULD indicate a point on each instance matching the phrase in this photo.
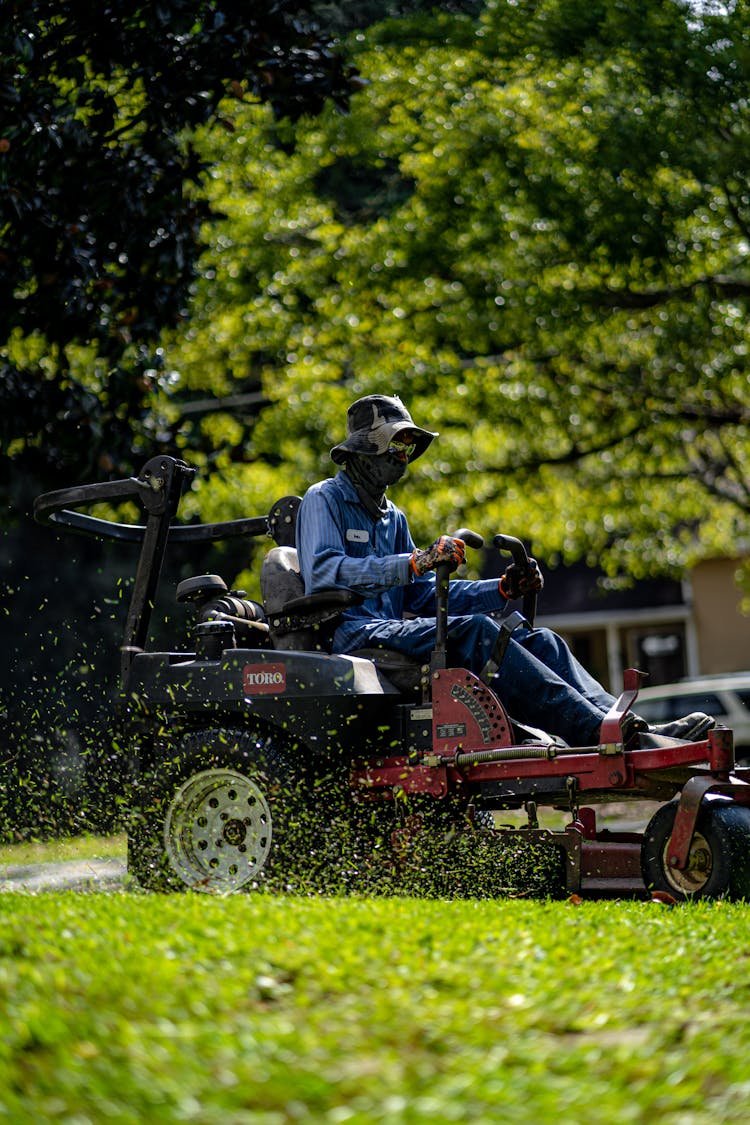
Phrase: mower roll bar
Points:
(157, 488)
(151, 489)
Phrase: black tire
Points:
(231, 811)
(719, 861)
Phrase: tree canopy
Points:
(533, 225)
(98, 234)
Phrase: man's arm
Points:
(324, 561)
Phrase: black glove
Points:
(443, 550)
(520, 580)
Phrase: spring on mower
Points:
(475, 757)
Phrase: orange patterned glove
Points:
(446, 549)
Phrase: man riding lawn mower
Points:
(371, 691)
(351, 537)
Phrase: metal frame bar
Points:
(158, 489)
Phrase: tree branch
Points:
(722, 285)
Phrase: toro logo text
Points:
(260, 679)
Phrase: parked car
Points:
(726, 697)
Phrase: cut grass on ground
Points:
(268, 1010)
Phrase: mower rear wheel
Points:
(218, 830)
(719, 860)
(227, 813)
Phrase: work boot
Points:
(632, 727)
(690, 728)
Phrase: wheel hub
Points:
(217, 831)
(235, 833)
(698, 869)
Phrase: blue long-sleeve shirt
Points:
(342, 546)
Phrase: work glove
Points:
(446, 549)
(520, 580)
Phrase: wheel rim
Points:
(217, 831)
(699, 867)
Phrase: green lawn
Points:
(137, 1008)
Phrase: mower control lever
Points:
(442, 578)
(514, 546)
(520, 557)
(471, 538)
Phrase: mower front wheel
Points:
(719, 860)
(226, 813)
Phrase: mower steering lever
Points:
(471, 538)
(521, 558)
(442, 580)
(515, 547)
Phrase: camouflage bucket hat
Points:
(371, 425)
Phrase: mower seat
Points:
(296, 620)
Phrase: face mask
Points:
(374, 474)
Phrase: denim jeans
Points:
(539, 682)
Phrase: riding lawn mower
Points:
(253, 740)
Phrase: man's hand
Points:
(518, 580)
(443, 550)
